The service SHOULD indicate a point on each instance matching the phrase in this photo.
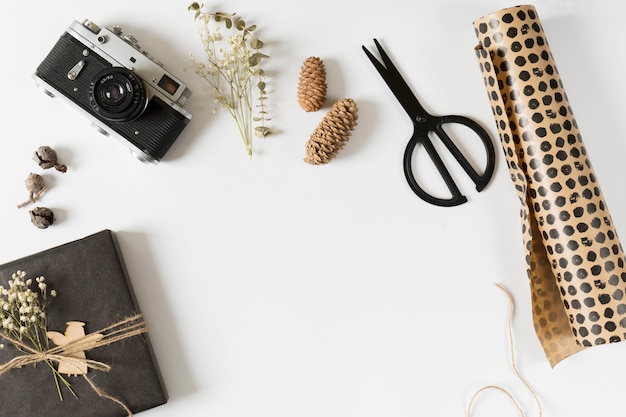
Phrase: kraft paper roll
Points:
(575, 261)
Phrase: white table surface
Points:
(276, 288)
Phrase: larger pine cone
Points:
(312, 84)
(332, 133)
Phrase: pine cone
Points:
(312, 84)
(332, 133)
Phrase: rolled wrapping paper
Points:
(575, 261)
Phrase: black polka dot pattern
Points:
(575, 260)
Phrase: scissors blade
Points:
(395, 82)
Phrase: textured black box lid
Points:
(93, 287)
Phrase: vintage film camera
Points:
(122, 90)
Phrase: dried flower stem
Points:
(231, 69)
(23, 318)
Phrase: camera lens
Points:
(117, 95)
(114, 93)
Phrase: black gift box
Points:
(93, 287)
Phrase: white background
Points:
(276, 288)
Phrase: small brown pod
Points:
(312, 84)
(332, 133)
(36, 186)
(46, 157)
(41, 217)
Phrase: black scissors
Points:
(424, 124)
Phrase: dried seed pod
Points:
(332, 133)
(46, 157)
(36, 186)
(312, 84)
(41, 217)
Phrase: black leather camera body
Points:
(123, 91)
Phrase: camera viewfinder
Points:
(169, 85)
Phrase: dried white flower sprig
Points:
(233, 69)
(23, 317)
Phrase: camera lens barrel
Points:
(117, 94)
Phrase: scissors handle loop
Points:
(421, 136)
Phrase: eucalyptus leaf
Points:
(261, 85)
(240, 24)
(255, 43)
(228, 23)
(262, 131)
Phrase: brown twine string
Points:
(103, 394)
(513, 364)
(124, 329)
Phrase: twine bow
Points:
(124, 329)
